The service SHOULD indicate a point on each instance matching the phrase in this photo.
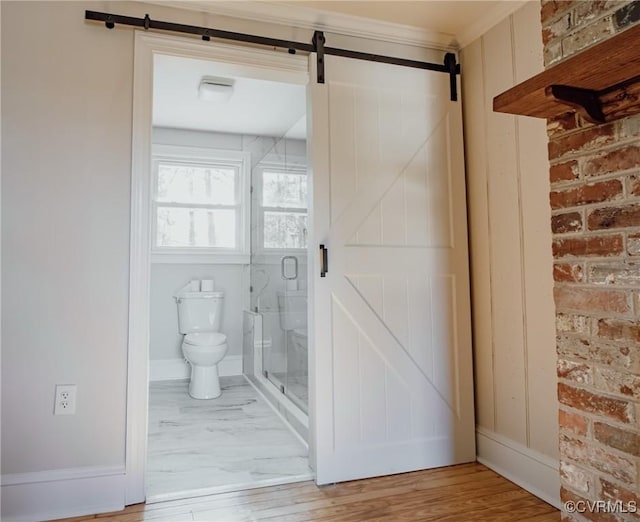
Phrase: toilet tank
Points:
(199, 311)
(292, 305)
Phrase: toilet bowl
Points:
(204, 351)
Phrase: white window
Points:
(199, 201)
(283, 208)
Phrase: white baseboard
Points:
(174, 369)
(49, 495)
(533, 471)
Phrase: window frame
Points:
(289, 168)
(204, 157)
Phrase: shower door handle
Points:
(283, 268)
(324, 263)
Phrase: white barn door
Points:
(391, 370)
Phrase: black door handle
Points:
(324, 264)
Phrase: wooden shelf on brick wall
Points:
(602, 83)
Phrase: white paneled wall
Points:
(513, 310)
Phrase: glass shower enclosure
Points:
(278, 272)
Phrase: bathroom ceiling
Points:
(256, 107)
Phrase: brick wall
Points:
(595, 202)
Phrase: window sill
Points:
(200, 259)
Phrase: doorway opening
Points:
(228, 254)
(390, 300)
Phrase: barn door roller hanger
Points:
(317, 45)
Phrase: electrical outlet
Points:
(65, 403)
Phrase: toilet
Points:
(203, 346)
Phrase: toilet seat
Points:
(205, 339)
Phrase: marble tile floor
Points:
(234, 442)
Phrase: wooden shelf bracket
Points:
(585, 101)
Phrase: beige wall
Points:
(66, 145)
(513, 310)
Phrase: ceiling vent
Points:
(215, 89)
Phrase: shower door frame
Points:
(270, 387)
(257, 63)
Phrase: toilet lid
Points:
(205, 338)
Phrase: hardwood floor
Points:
(465, 493)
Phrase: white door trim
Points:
(233, 60)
